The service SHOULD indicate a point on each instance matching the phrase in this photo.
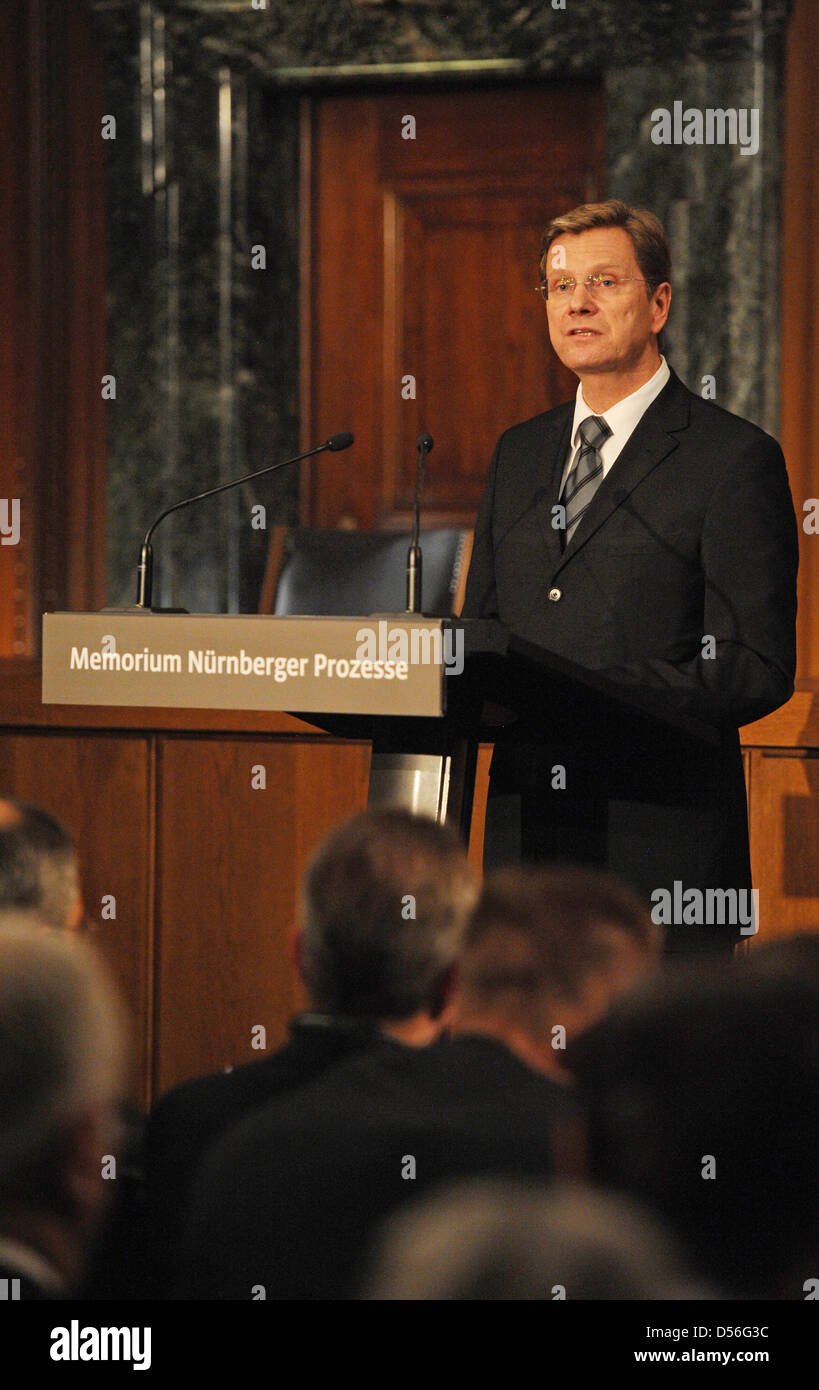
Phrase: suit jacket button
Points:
(555, 594)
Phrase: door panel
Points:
(784, 827)
(429, 272)
(230, 857)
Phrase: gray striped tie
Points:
(587, 474)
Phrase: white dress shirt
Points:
(622, 418)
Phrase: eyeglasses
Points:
(599, 286)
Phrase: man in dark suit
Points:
(384, 907)
(648, 535)
(287, 1201)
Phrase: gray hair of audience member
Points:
(541, 931)
(62, 1044)
(490, 1240)
(384, 906)
(38, 864)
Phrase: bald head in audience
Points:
(546, 954)
(38, 865)
(62, 1043)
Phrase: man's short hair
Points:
(648, 238)
(543, 931)
(383, 910)
(61, 1043)
(38, 864)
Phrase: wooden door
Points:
(419, 275)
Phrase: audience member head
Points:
(503, 1240)
(702, 1093)
(384, 907)
(546, 953)
(38, 865)
(61, 1066)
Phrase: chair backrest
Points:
(346, 573)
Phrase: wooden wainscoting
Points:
(204, 868)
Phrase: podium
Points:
(424, 692)
(154, 772)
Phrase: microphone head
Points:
(424, 442)
(339, 441)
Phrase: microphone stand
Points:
(414, 557)
(146, 558)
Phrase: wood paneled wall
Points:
(52, 314)
(229, 860)
(420, 307)
(799, 430)
(203, 867)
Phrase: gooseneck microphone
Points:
(414, 559)
(146, 558)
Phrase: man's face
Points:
(615, 333)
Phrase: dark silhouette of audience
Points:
(511, 1241)
(383, 911)
(703, 1103)
(464, 1053)
(789, 956)
(287, 1202)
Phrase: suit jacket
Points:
(187, 1120)
(690, 536)
(289, 1199)
(119, 1257)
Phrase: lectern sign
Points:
(391, 666)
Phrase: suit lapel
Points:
(651, 442)
(550, 450)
